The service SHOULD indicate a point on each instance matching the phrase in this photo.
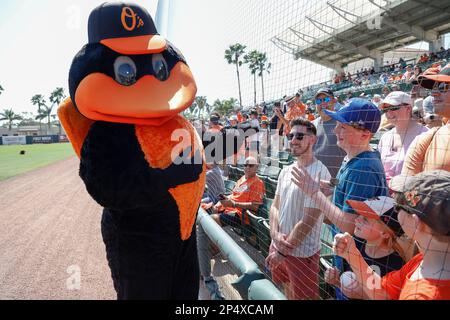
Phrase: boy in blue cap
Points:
(361, 175)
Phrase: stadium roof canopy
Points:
(397, 24)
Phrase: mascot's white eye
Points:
(160, 67)
(125, 71)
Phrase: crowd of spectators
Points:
(374, 169)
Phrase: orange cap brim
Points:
(363, 209)
(428, 81)
(136, 45)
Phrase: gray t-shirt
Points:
(326, 148)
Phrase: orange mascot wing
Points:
(75, 124)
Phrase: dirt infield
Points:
(50, 230)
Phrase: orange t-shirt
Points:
(400, 287)
(251, 190)
(429, 151)
(297, 110)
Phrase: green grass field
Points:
(36, 156)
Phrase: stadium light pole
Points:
(162, 17)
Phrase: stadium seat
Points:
(283, 164)
(265, 161)
(250, 230)
(257, 233)
(240, 173)
(283, 155)
(264, 236)
(273, 172)
(326, 250)
(229, 186)
(264, 209)
(232, 172)
(326, 261)
(271, 187)
(261, 173)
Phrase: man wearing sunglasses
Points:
(326, 149)
(394, 144)
(248, 194)
(430, 151)
(296, 222)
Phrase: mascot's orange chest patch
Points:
(162, 144)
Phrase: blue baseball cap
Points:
(358, 113)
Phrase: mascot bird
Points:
(127, 87)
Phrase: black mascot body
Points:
(127, 88)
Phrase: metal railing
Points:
(252, 283)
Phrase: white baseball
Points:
(348, 280)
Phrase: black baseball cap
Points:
(125, 28)
(427, 195)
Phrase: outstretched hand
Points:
(304, 181)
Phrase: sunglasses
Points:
(392, 108)
(326, 99)
(298, 135)
(249, 165)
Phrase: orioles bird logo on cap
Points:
(127, 14)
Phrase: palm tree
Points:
(200, 102)
(252, 59)
(38, 99)
(45, 113)
(9, 116)
(189, 112)
(225, 106)
(263, 65)
(57, 96)
(233, 56)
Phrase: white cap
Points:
(251, 160)
(397, 98)
(234, 117)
